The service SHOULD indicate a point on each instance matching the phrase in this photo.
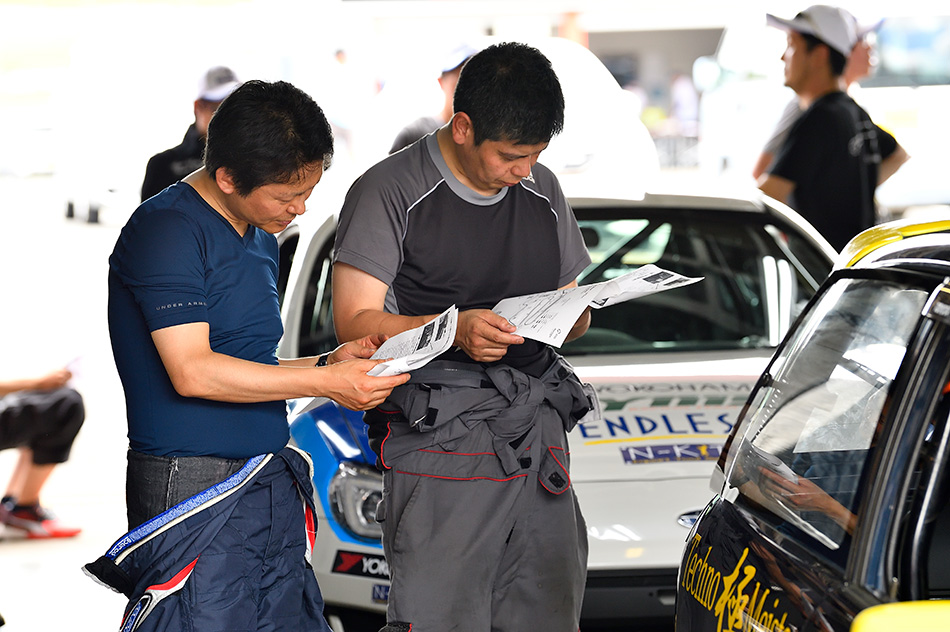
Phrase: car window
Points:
(811, 423)
(285, 259)
(316, 323)
(757, 278)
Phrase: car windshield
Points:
(811, 423)
(757, 276)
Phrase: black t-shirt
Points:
(833, 154)
(168, 167)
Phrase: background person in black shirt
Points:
(171, 165)
(834, 157)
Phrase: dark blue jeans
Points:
(156, 483)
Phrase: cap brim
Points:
(456, 57)
(869, 28)
(787, 25)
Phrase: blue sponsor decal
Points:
(381, 593)
(671, 452)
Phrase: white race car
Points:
(672, 371)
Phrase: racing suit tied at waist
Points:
(444, 401)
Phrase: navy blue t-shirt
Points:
(178, 261)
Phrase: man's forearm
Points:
(367, 322)
(776, 187)
(195, 370)
(580, 327)
(12, 386)
(224, 378)
(891, 164)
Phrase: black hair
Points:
(835, 57)
(266, 133)
(511, 93)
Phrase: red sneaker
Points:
(36, 523)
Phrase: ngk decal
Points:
(673, 452)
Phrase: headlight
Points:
(355, 491)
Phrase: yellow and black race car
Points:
(832, 488)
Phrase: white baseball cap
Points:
(217, 83)
(832, 25)
(457, 56)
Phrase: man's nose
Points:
(522, 168)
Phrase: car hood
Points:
(642, 526)
(663, 417)
(342, 430)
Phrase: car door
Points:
(902, 552)
(804, 469)
(287, 241)
(307, 309)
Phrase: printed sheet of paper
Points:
(415, 348)
(643, 281)
(549, 316)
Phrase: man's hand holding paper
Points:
(485, 336)
(416, 347)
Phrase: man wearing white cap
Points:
(834, 157)
(857, 68)
(171, 165)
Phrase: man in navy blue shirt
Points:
(194, 322)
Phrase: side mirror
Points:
(919, 616)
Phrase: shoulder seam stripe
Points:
(543, 197)
(414, 204)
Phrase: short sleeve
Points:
(790, 114)
(160, 259)
(795, 160)
(371, 222)
(886, 143)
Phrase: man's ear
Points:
(822, 55)
(462, 128)
(225, 181)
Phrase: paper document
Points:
(549, 316)
(415, 348)
(643, 281)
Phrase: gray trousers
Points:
(480, 555)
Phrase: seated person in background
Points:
(41, 416)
